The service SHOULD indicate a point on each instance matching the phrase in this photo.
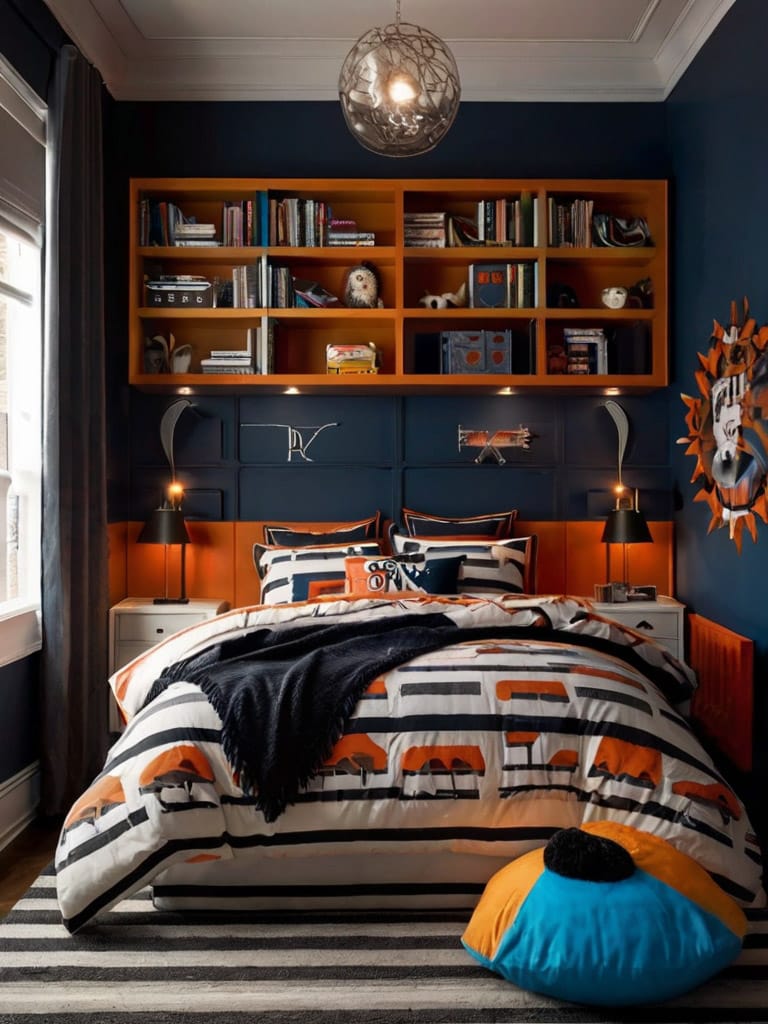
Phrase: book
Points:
(226, 361)
(461, 231)
(313, 294)
(488, 285)
(196, 241)
(350, 242)
(215, 368)
(193, 229)
(266, 347)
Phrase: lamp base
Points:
(170, 600)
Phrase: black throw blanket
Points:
(284, 695)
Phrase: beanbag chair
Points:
(605, 914)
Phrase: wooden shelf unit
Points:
(406, 274)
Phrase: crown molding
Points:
(639, 68)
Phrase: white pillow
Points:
(489, 567)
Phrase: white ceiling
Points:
(506, 50)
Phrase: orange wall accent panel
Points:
(550, 565)
(118, 563)
(211, 560)
(586, 559)
(246, 577)
(571, 559)
(210, 565)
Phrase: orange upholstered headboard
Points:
(219, 561)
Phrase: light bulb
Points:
(402, 88)
(175, 494)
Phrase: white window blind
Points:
(22, 155)
(22, 215)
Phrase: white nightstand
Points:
(663, 620)
(136, 624)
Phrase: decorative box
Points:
(198, 296)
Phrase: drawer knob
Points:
(159, 629)
(644, 624)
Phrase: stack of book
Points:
(362, 358)
(190, 233)
(344, 231)
(425, 230)
(223, 360)
(586, 349)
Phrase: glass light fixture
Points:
(399, 89)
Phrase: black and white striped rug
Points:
(141, 965)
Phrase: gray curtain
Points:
(75, 577)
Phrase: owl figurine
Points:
(361, 289)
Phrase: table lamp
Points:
(166, 526)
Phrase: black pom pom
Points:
(573, 853)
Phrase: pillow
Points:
(422, 524)
(288, 574)
(489, 567)
(605, 914)
(318, 533)
(423, 573)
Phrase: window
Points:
(22, 205)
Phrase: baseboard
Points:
(19, 800)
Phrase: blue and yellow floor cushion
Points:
(605, 914)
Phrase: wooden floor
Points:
(23, 860)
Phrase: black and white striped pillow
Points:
(287, 574)
(489, 567)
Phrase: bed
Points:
(390, 749)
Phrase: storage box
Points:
(464, 352)
(498, 351)
(199, 296)
(477, 351)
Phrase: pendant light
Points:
(399, 89)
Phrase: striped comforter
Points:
(480, 748)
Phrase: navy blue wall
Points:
(311, 140)
(388, 452)
(719, 155)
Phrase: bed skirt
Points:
(441, 880)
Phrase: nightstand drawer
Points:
(655, 624)
(661, 620)
(152, 628)
(127, 652)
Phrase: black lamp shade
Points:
(626, 526)
(164, 526)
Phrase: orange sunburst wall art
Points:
(728, 426)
